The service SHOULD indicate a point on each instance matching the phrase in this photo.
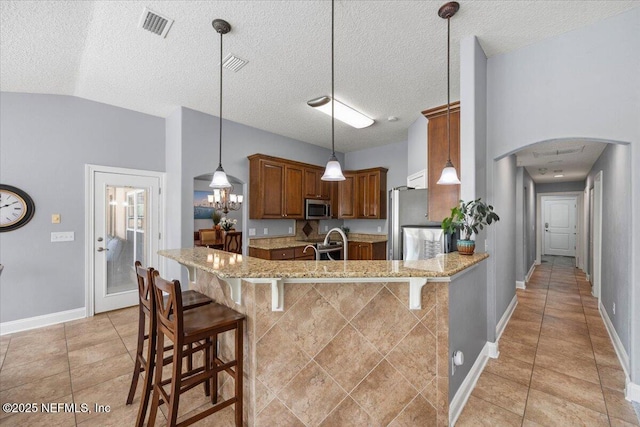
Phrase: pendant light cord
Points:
(220, 116)
(448, 89)
(333, 134)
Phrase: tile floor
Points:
(557, 366)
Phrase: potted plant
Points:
(469, 218)
(216, 216)
(227, 224)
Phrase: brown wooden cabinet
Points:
(363, 251)
(283, 254)
(371, 188)
(275, 188)
(347, 197)
(442, 197)
(314, 186)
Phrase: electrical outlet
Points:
(379, 229)
(63, 236)
(252, 232)
(326, 228)
(614, 308)
(290, 230)
(486, 246)
(55, 219)
(265, 231)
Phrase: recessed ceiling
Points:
(390, 56)
(573, 159)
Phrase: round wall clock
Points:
(16, 208)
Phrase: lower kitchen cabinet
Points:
(283, 254)
(363, 251)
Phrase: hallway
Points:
(557, 366)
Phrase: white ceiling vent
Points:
(154, 22)
(233, 63)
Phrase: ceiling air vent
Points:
(575, 150)
(154, 22)
(233, 63)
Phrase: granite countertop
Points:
(267, 243)
(228, 265)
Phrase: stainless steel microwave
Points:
(317, 209)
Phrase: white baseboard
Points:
(588, 278)
(493, 350)
(40, 321)
(462, 395)
(632, 392)
(530, 273)
(505, 317)
(520, 284)
(623, 357)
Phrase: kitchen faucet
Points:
(344, 240)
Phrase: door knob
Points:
(102, 249)
(100, 239)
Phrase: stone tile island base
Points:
(340, 354)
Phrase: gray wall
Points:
(616, 242)
(45, 142)
(525, 223)
(392, 157)
(557, 88)
(560, 187)
(417, 146)
(467, 321)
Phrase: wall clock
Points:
(16, 208)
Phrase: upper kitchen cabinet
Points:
(276, 188)
(347, 197)
(314, 187)
(371, 189)
(442, 197)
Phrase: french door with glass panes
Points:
(126, 228)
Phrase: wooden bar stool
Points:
(193, 327)
(147, 309)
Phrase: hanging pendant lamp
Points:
(220, 179)
(333, 171)
(449, 175)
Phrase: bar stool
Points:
(147, 309)
(192, 327)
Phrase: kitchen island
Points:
(336, 343)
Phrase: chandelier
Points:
(224, 200)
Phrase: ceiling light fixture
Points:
(343, 112)
(449, 175)
(220, 179)
(333, 171)
(558, 176)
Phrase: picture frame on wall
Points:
(201, 208)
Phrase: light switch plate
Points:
(290, 230)
(63, 236)
(252, 232)
(379, 229)
(265, 231)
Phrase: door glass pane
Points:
(126, 236)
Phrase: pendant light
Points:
(449, 175)
(220, 179)
(333, 171)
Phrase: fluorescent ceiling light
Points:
(558, 176)
(343, 112)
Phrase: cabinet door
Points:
(272, 186)
(293, 192)
(354, 251)
(366, 251)
(370, 195)
(347, 197)
(442, 197)
(310, 184)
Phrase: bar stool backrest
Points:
(145, 293)
(169, 311)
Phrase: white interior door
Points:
(126, 228)
(559, 222)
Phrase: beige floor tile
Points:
(516, 350)
(96, 353)
(615, 422)
(511, 368)
(95, 373)
(34, 352)
(97, 336)
(581, 368)
(51, 413)
(559, 305)
(478, 412)
(565, 324)
(547, 410)
(565, 333)
(52, 387)
(223, 418)
(502, 392)
(613, 378)
(619, 407)
(521, 335)
(566, 348)
(569, 388)
(112, 393)
(87, 325)
(13, 376)
(125, 315)
(563, 314)
(524, 313)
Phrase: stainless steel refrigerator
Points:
(408, 210)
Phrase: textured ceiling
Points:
(390, 56)
(571, 158)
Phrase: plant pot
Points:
(466, 247)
